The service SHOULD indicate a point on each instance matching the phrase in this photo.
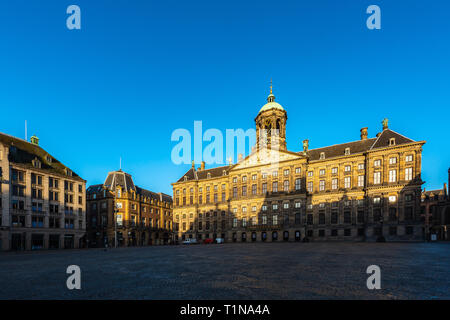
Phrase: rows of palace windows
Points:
(338, 213)
(247, 185)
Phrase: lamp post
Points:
(114, 215)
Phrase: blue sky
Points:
(137, 70)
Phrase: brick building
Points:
(143, 217)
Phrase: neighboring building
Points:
(359, 190)
(435, 211)
(42, 202)
(143, 217)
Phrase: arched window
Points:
(274, 236)
(286, 235)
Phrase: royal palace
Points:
(365, 190)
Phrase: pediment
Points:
(266, 157)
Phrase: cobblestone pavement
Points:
(232, 271)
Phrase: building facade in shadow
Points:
(141, 217)
(365, 190)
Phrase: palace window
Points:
(235, 193)
(275, 174)
(361, 181)
(298, 170)
(408, 174)
(264, 188)
(347, 168)
(361, 166)
(286, 185)
(376, 200)
(347, 151)
(244, 191)
(392, 175)
(393, 160)
(254, 209)
(275, 207)
(321, 218)
(264, 175)
(322, 155)
(334, 170)
(275, 186)
(275, 220)
(377, 163)
(286, 172)
(377, 177)
(254, 177)
(310, 173)
(321, 185)
(244, 179)
(286, 205)
(298, 204)
(322, 172)
(347, 182)
(235, 221)
(392, 199)
(264, 207)
(409, 158)
(297, 184)
(244, 209)
(244, 222)
(334, 183)
(264, 219)
(234, 179)
(254, 191)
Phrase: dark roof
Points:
(203, 174)
(23, 152)
(381, 141)
(339, 149)
(119, 178)
(440, 192)
(94, 188)
(123, 179)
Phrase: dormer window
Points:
(208, 175)
(322, 155)
(68, 172)
(224, 172)
(185, 178)
(347, 151)
(36, 163)
(49, 159)
(392, 141)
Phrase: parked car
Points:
(208, 240)
(190, 241)
(220, 240)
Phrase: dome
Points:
(271, 105)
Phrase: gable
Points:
(266, 157)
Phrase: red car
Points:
(208, 240)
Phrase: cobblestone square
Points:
(232, 271)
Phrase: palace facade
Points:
(42, 202)
(141, 218)
(365, 190)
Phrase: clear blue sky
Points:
(137, 70)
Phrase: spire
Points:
(271, 97)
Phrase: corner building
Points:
(141, 218)
(364, 190)
(42, 202)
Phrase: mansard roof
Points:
(24, 153)
(119, 178)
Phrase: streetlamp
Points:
(114, 215)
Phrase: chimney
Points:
(445, 189)
(305, 145)
(240, 157)
(34, 140)
(363, 133)
(202, 166)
